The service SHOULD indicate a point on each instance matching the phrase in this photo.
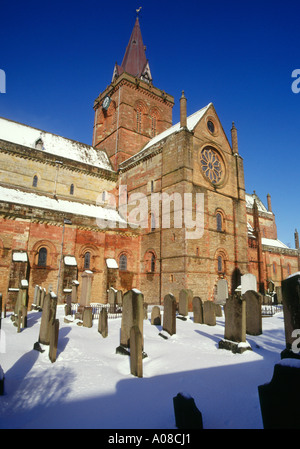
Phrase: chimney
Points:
(183, 120)
(269, 203)
(296, 239)
(234, 139)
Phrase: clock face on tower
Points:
(106, 102)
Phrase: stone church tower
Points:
(130, 111)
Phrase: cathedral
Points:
(150, 205)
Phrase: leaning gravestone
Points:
(198, 309)
(132, 315)
(102, 323)
(235, 325)
(48, 316)
(155, 316)
(169, 317)
(136, 352)
(53, 342)
(291, 313)
(112, 299)
(209, 313)
(280, 399)
(187, 415)
(222, 291)
(253, 312)
(248, 282)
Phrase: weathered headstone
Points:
(291, 313)
(222, 291)
(218, 310)
(112, 299)
(75, 285)
(102, 323)
(145, 309)
(68, 306)
(87, 317)
(198, 309)
(169, 317)
(209, 313)
(42, 297)
(136, 352)
(35, 295)
(248, 282)
(53, 342)
(119, 297)
(279, 294)
(253, 312)
(86, 287)
(187, 415)
(279, 399)
(156, 316)
(235, 325)
(48, 316)
(185, 301)
(132, 315)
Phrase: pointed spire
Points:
(135, 62)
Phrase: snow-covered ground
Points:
(90, 386)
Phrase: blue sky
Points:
(239, 55)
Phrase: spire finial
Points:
(138, 10)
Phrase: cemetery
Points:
(223, 365)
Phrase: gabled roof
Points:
(192, 122)
(250, 201)
(134, 62)
(39, 140)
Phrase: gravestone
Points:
(119, 297)
(145, 309)
(136, 352)
(48, 316)
(86, 287)
(53, 342)
(222, 291)
(279, 399)
(112, 299)
(253, 312)
(198, 309)
(75, 285)
(209, 313)
(68, 306)
(156, 316)
(279, 294)
(187, 415)
(291, 313)
(185, 301)
(102, 323)
(35, 296)
(218, 310)
(248, 282)
(235, 325)
(87, 317)
(169, 317)
(132, 315)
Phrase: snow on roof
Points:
(51, 143)
(20, 257)
(273, 242)
(250, 201)
(16, 196)
(70, 260)
(192, 121)
(111, 263)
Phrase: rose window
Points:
(211, 165)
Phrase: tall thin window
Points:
(152, 218)
(152, 266)
(87, 260)
(153, 126)
(123, 262)
(35, 181)
(72, 189)
(42, 258)
(139, 120)
(219, 222)
(220, 263)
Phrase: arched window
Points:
(220, 263)
(42, 258)
(35, 181)
(153, 125)
(152, 265)
(219, 222)
(123, 262)
(72, 189)
(87, 261)
(139, 119)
